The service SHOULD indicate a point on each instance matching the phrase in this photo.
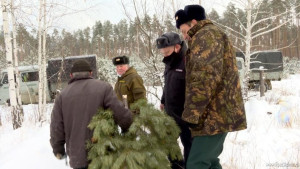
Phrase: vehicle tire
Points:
(8, 102)
(257, 87)
(269, 85)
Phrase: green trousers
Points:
(205, 151)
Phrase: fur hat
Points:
(120, 60)
(189, 13)
(167, 39)
(81, 66)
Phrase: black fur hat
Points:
(81, 66)
(189, 13)
(168, 39)
(120, 60)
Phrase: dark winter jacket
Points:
(174, 88)
(213, 91)
(73, 111)
(132, 85)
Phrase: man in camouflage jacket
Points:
(129, 83)
(213, 100)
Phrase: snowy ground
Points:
(271, 141)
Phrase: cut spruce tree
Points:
(147, 144)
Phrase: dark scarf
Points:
(175, 58)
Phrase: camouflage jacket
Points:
(132, 85)
(214, 102)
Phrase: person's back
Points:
(73, 111)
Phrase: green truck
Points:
(29, 78)
(59, 69)
(58, 75)
(270, 62)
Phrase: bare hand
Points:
(162, 107)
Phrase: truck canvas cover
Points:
(271, 61)
(60, 68)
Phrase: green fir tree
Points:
(147, 144)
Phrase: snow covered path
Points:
(28, 147)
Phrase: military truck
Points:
(58, 75)
(270, 62)
(59, 69)
(29, 82)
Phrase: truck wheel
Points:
(257, 87)
(269, 85)
(252, 86)
(8, 102)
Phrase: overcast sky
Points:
(113, 11)
(86, 12)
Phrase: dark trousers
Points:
(82, 168)
(205, 152)
(186, 140)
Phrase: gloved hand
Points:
(61, 156)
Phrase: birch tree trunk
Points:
(9, 63)
(248, 40)
(41, 74)
(44, 60)
(251, 34)
(15, 52)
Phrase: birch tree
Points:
(147, 36)
(16, 118)
(249, 32)
(42, 60)
(16, 62)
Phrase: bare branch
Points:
(238, 19)
(262, 33)
(273, 17)
(262, 29)
(221, 25)
(259, 5)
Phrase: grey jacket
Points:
(73, 111)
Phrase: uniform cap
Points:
(168, 39)
(120, 60)
(189, 13)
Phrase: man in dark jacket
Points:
(213, 99)
(129, 84)
(74, 109)
(173, 50)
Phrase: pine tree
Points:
(147, 144)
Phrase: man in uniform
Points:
(130, 85)
(172, 101)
